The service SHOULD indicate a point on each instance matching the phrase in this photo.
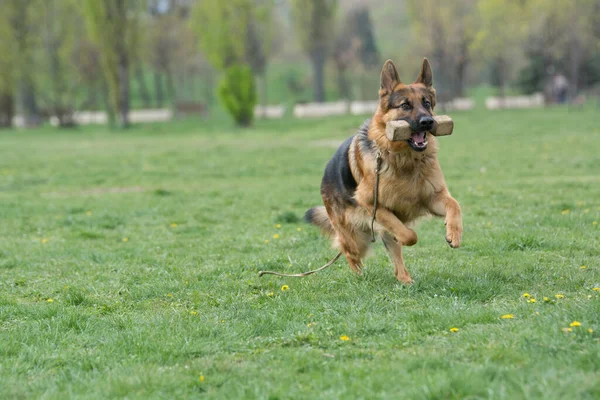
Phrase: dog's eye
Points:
(405, 106)
(427, 104)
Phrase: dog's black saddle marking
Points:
(338, 174)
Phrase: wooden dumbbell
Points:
(400, 130)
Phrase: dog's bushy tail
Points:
(318, 217)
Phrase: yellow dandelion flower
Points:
(590, 330)
(299, 229)
(583, 267)
(507, 316)
(126, 239)
(453, 329)
(173, 225)
(531, 301)
(50, 300)
(266, 241)
(537, 313)
(546, 299)
(595, 223)
(169, 295)
(284, 288)
(194, 312)
(201, 379)
(278, 226)
(311, 324)
(559, 296)
(88, 213)
(575, 323)
(567, 330)
(44, 240)
(526, 295)
(344, 338)
(276, 236)
(596, 289)
(271, 294)
(565, 212)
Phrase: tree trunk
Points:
(574, 66)
(342, 82)
(24, 60)
(29, 108)
(461, 70)
(7, 110)
(170, 86)
(144, 93)
(318, 61)
(108, 104)
(123, 89)
(158, 89)
(459, 88)
(264, 82)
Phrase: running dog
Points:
(411, 182)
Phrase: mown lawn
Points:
(128, 267)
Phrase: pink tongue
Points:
(418, 137)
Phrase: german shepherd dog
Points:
(411, 182)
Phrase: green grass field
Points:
(129, 260)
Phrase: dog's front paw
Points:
(453, 236)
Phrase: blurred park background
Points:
(129, 258)
(73, 62)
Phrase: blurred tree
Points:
(314, 23)
(174, 53)
(360, 21)
(232, 35)
(163, 43)
(445, 32)
(354, 46)
(114, 27)
(7, 62)
(86, 60)
(58, 80)
(238, 94)
(24, 19)
(345, 55)
(260, 41)
(221, 27)
(563, 37)
(502, 26)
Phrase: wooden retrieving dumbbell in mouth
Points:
(401, 130)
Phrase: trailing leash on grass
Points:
(334, 259)
(330, 262)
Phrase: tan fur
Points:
(411, 183)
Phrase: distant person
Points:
(561, 88)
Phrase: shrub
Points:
(237, 93)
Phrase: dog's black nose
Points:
(426, 123)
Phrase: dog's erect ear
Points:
(425, 76)
(389, 76)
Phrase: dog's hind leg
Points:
(353, 241)
(395, 250)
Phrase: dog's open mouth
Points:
(418, 141)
